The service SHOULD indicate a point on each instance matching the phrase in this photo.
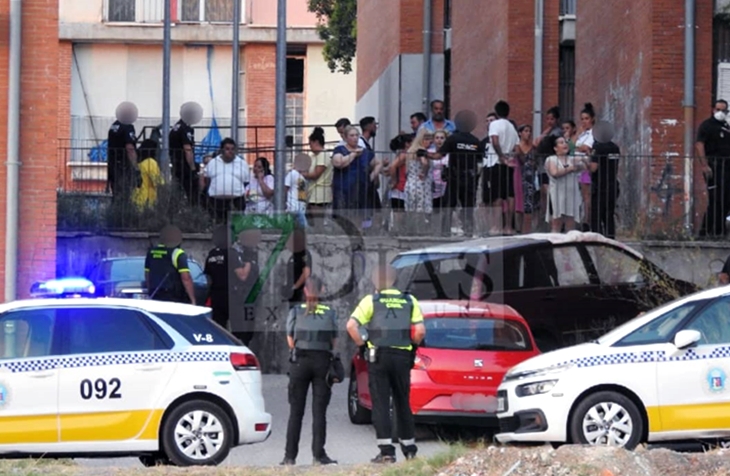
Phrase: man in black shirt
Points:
(713, 153)
(182, 151)
(298, 268)
(604, 180)
(122, 169)
(245, 274)
(218, 274)
(465, 156)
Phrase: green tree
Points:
(338, 28)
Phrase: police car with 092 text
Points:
(112, 377)
(660, 377)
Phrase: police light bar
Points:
(63, 288)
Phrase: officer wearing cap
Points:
(122, 169)
(389, 323)
(166, 269)
(182, 151)
(311, 332)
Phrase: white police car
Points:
(661, 377)
(93, 377)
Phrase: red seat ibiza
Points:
(469, 346)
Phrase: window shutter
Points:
(723, 81)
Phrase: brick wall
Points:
(259, 63)
(39, 126)
(639, 85)
(493, 58)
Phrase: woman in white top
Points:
(440, 202)
(563, 170)
(261, 190)
(584, 148)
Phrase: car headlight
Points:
(535, 388)
(555, 369)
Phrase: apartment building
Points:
(81, 58)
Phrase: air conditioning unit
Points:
(567, 30)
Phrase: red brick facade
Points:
(259, 64)
(39, 125)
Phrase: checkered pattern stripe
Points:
(648, 356)
(127, 358)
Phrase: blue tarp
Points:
(98, 153)
(210, 143)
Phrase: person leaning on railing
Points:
(145, 195)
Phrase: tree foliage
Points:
(338, 28)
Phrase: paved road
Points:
(347, 443)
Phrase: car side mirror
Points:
(686, 338)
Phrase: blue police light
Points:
(63, 288)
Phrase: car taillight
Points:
(421, 362)
(244, 362)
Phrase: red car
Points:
(469, 346)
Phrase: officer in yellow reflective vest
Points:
(389, 323)
(166, 269)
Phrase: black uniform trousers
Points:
(310, 367)
(603, 212)
(718, 191)
(390, 376)
(461, 190)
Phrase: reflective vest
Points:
(165, 279)
(314, 330)
(390, 325)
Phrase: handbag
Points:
(336, 371)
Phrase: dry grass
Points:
(48, 467)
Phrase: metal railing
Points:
(646, 201)
(184, 11)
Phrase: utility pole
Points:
(236, 69)
(280, 161)
(166, 53)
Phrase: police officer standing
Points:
(182, 151)
(166, 269)
(122, 169)
(311, 332)
(217, 272)
(389, 323)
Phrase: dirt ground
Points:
(584, 461)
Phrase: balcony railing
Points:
(567, 7)
(183, 11)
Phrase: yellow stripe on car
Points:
(108, 426)
(29, 429)
(710, 416)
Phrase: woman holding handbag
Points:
(311, 332)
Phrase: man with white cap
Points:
(122, 168)
(182, 151)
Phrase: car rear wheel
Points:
(197, 433)
(359, 415)
(607, 419)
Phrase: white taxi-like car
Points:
(660, 377)
(111, 377)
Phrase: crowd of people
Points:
(565, 178)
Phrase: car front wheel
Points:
(358, 414)
(607, 419)
(197, 433)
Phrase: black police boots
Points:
(409, 451)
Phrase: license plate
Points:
(500, 404)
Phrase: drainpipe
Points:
(537, 86)
(13, 151)
(689, 111)
(427, 19)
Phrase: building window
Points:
(447, 14)
(567, 7)
(566, 94)
(121, 11)
(720, 53)
(219, 11)
(190, 10)
(295, 119)
(447, 82)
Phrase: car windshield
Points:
(644, 319)
(199, 329)
(459, 333)
(130, 269)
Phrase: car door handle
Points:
(43, 374)
(149, 367)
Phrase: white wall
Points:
(329, 96)
(397, 94)
(111, 74)
(84, 11)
